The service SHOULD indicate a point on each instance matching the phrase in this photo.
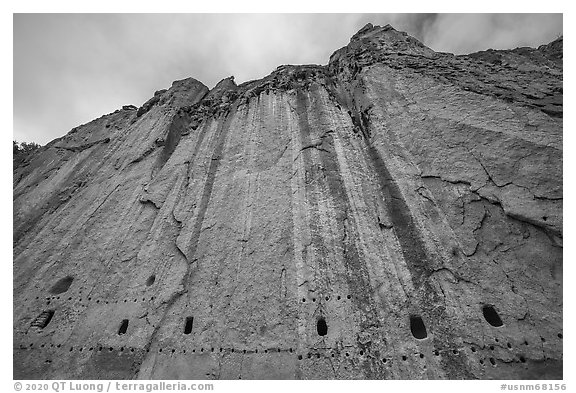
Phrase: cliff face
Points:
(396, 213)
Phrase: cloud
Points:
(72, 68)
(466, 33)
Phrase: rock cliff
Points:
(394, 214)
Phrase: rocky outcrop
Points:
(396, 213)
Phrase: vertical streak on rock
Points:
(183, 203)
(359, 275)
(252, 178)
(425, 297)
(389, 280)
(221, 136)
(191, 194)
(311, 177)
(300, 215)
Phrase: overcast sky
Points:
(72, 68)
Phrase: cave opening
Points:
(491, 316)
(61, 285)
(417, 327)
(123, 327)
(321, 327)
(188, 325)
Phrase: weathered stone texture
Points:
(394, 182)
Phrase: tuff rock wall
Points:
(396, 213)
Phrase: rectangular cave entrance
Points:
(188, 325)
(123, 327)
(417, 327)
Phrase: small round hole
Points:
(560, 335)
(421, 356)
(509, 345)
(493, 361)
(473, 349)
(404, 357)
(522, 359)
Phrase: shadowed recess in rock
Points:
(43, 319)
(188, 325)
(321, 327)
(123, 327)
(61, 285)
(417, 327)
(491, 316)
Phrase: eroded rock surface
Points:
(396, 213)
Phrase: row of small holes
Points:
(48, 300)
(327, 298)
(436, 352)
(232, 350)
